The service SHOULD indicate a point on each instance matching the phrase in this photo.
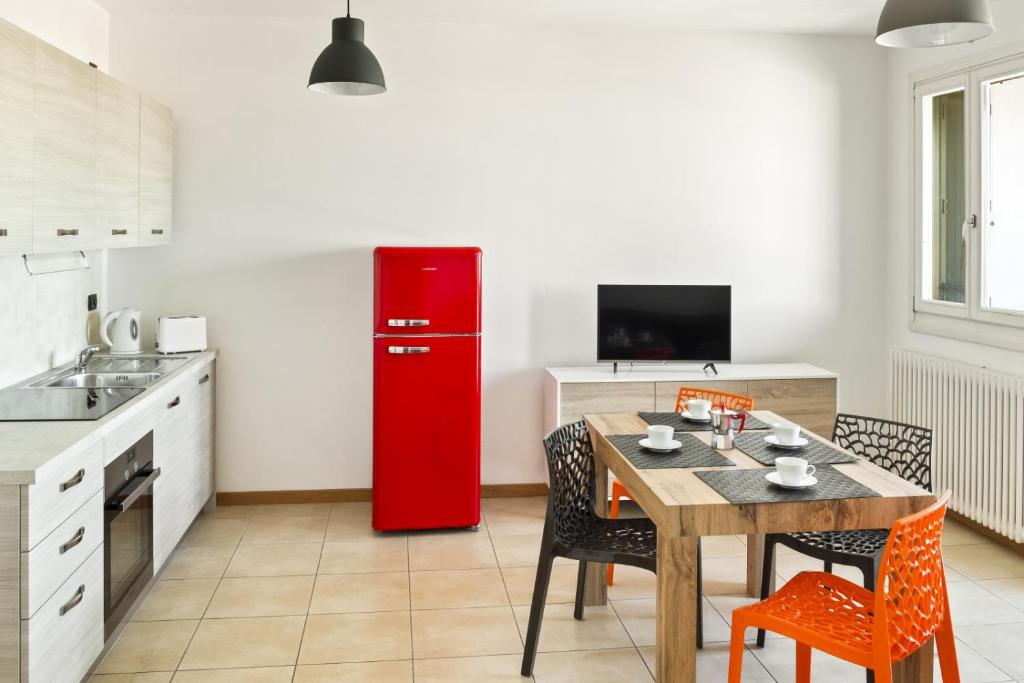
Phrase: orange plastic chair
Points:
(717, 398)
(871, 629)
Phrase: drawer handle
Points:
(75, 600)
(204, 379)
(405, 350)
(157, 231)
(407, 322)
(175, 403)
(67, 232)
(119, 231)
(3, 232)
(73, 481)
(75, 540)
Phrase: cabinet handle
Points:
(405, 350)
(67, 232)
(157, 231)
(175, 402)
(74, 601)
(75, 540)
(3, 232)
(407, 322)
(204, 379)
(73, 481)
(119, 231)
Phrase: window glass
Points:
(1003, 202)
(944, 197)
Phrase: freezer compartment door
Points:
(426, 432)
(421, 290)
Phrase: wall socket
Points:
(92, 302)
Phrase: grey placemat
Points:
(743, 487)
(694, 453)
(815, 452)
(677, 422)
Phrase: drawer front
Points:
(811, 403)
(63, 639)
(56, 557)
(605, 397)
(60, 492)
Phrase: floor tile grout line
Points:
(636, 648)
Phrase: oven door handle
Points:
(132, 492)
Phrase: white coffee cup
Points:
(699, 408)
(660, 436)
(793, 471)
(787, 433)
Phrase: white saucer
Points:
(676, 445)
(773, 478)
(771, 440)
(685, 414)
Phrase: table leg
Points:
(755, 556)
(597, 585)
(677, 609)
(917, 668)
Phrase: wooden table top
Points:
(680, 503)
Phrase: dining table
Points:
(684, 507)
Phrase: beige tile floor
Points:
(309, 593)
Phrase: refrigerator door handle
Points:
(400, 350)
(407, 322)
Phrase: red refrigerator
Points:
(426, 387)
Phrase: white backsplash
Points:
(43, 318)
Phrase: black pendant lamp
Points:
(932, 23)
(346, 66)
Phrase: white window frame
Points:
(970, 321)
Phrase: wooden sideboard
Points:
(803, 393)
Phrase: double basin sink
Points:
(105, 371)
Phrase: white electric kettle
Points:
(120, 331)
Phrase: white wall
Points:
(1009, 20)
(570, 157)
(43, 319)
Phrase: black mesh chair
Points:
(904, 450)
(573, 530)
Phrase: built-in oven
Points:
(128, 534)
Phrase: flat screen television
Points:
(664, 323)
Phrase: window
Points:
(969, 204)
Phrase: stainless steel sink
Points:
(94, 380)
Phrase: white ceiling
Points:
(776, 16)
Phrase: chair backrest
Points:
(570, 456)
(731, 401)
(910, 595)
(903, 449)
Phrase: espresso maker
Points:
(725, 425)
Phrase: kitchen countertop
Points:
(27, 447)
(689, 372)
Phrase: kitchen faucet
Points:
(84, 356)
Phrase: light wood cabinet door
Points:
(810, 403)
(17, 66)
(174, 448)
(64, 189)
(156, 167)
(117, 163)
(204, 471)
(604, 397)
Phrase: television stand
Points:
(712, 366)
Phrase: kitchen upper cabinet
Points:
(117, 163)
(64, 204)
(156, 164)
(17, 65)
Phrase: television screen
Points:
(664, 323)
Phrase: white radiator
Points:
(977, 422)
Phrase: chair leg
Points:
(803, 663)
(945, 643)
(700, 598)
(581, 590)
(869, 569)
(828, 566)
(736, 649)
(540, 595)
(767, 568)
(613, 513)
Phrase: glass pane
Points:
(943, 193)
(1004, 204)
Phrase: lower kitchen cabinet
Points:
(52, 532)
